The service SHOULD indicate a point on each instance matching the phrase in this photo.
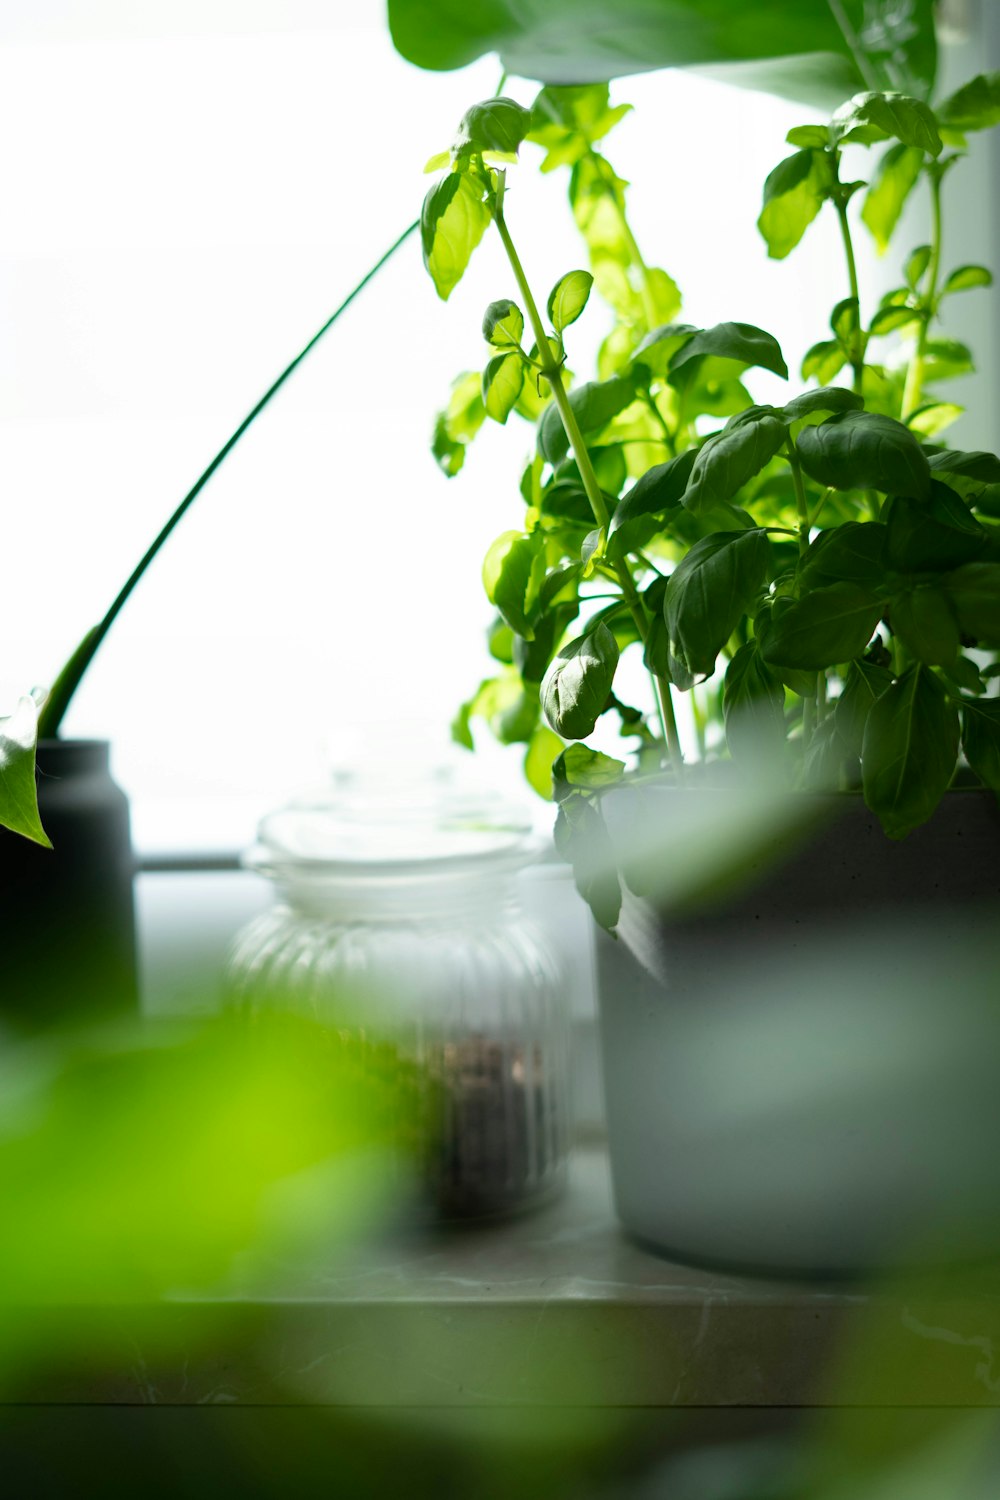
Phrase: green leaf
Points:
(568, 298)
(658, 348)
(894, 179)
(845, 322)
(975, 476)
(713, 586)
(945, 359)
(508, 574)
(851, 553)
(794, 193)
(891, 319)
(453, 221)
(873, 117)
(658, 491)
(916, 266)
(934, 418)
(964, 278)
(975, 106)
(729, 458)
(581, 837)
(925, 622)
(824, 360)
(909, 751)
(580, 767)
(742, 342)
(787, 47)
(753, 705)
(826, 627)
(865, 683)
(495, 125)
(543, 749)
(18, 797)
(502, 382)
(503, 324)
(865, 450)
(932, 535)
(532, 657)
(981, 739)
(593, 406)
(815, 137)
(974, 591)
(828, 398)
(576, 689)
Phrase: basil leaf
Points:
(753, 706)
(916, 266)
(927, 421)
(508, 574)
(502, 382)
(576, 688)
(594, 404)
(891, 319)
(946, 359)
(845, 321)
(872, 117)
(794, 193)
(582, 838)
(579, 766)
(452, 222)
(18, 795)
(932, 536)
(850, 553)
(830, 398)
(925, 622)
(725, 461)
(826, 627)
(894, 179)
(813, 136)
(713, 586)
(975, 106)
(658, 348)
(981, 739)
(865, 683)
(974, 591)
(503, 324)
(568, 298)
(748, 345)
(543, 748)
(964, 278)
(865, 450)
(824, 360)
(532, 657)
(657, 491)
(909, 751)
(975, 476)
(495, 125)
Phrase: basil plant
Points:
(813, 586)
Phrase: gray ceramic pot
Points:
(802, 1068)
(67, 931)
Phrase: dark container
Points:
(67, 924)
(801, 1067)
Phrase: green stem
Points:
(69, 679)
(913, 389)
(800, 497)
(553, 374)
(856, 356)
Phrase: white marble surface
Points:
(556, 1309)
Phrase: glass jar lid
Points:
(418, 824)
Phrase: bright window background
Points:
(188, 190)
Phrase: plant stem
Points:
(800, 497)
(553, 375)
(915, 370)
(856, 356)
(69, 679)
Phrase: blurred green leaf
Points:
(794, 193)
(18, 797)
(894, 179)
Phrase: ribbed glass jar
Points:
(416, 914)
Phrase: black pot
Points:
(67, 926)
(801, 1065)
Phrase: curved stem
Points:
(69, 678)
(913, 389)
(553, 374)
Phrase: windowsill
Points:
(555, 1309)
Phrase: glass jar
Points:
(415, 909)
